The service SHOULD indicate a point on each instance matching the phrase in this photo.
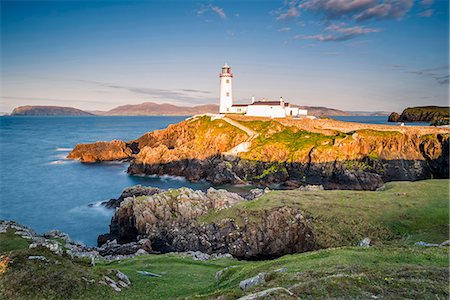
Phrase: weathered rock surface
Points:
(101, 151)
(172, 222)
(282, 154)
(133, 191)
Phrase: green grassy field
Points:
(395, 218)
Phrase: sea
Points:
(40, 188)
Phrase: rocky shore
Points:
(286, 153)
(171, 221)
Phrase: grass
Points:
(403, 210)
(395, 218)
(12, 241)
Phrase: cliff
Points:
(267, 224)
(48, 111)
(421, 114)
(155, 109)
(261, 151)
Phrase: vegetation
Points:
(411, 211)
(395, 218)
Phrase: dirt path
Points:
(245, 146)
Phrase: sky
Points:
(360, 55)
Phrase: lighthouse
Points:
(226, 91)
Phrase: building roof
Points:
(269, 103)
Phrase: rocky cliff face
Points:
(420, 114)
(177, 220)
(280, 153)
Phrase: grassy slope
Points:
(277, 142)
(412, 210)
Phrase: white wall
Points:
(275, 111)
(237, 110)
(226, 93)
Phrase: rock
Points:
(112, 283)
(145, 273)
(37, 257)
(141, 252)
(100, 151)
(122, 284)
(253, 281)
(255, 193)
(219, 274)
(123, 277)
(59, 235)
(365, 242)
(169, 220)
(103, 239)
(134, 191)
(311, 188)
(113, 248)
(53, 246)
(394, 117)
(272, 293)
(446, 243)
(425, 244)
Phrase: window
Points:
(228, 109)
(228, 80)
(228, 94)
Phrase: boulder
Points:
(272, 293)
(253, 281)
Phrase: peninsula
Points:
(434, 114)
(236, 149)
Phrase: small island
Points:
(30, 110)
(437, 115)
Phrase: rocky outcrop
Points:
(172, 222)
(133, 191)
(421, 114)
(101, 151)
(280, 154)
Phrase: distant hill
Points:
(324, 111)
(369, 113)
(31, 110)
(155, 109)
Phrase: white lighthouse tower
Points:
(226, 91)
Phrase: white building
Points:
(262, 108)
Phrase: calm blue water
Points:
(39, 188)
(375, 120)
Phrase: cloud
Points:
(427, 13)
(440, 74)
(388, 10)
(182, 95)
(214, 9)
(284, 29)
(292, 12)
(338, 33)
(357, 10)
